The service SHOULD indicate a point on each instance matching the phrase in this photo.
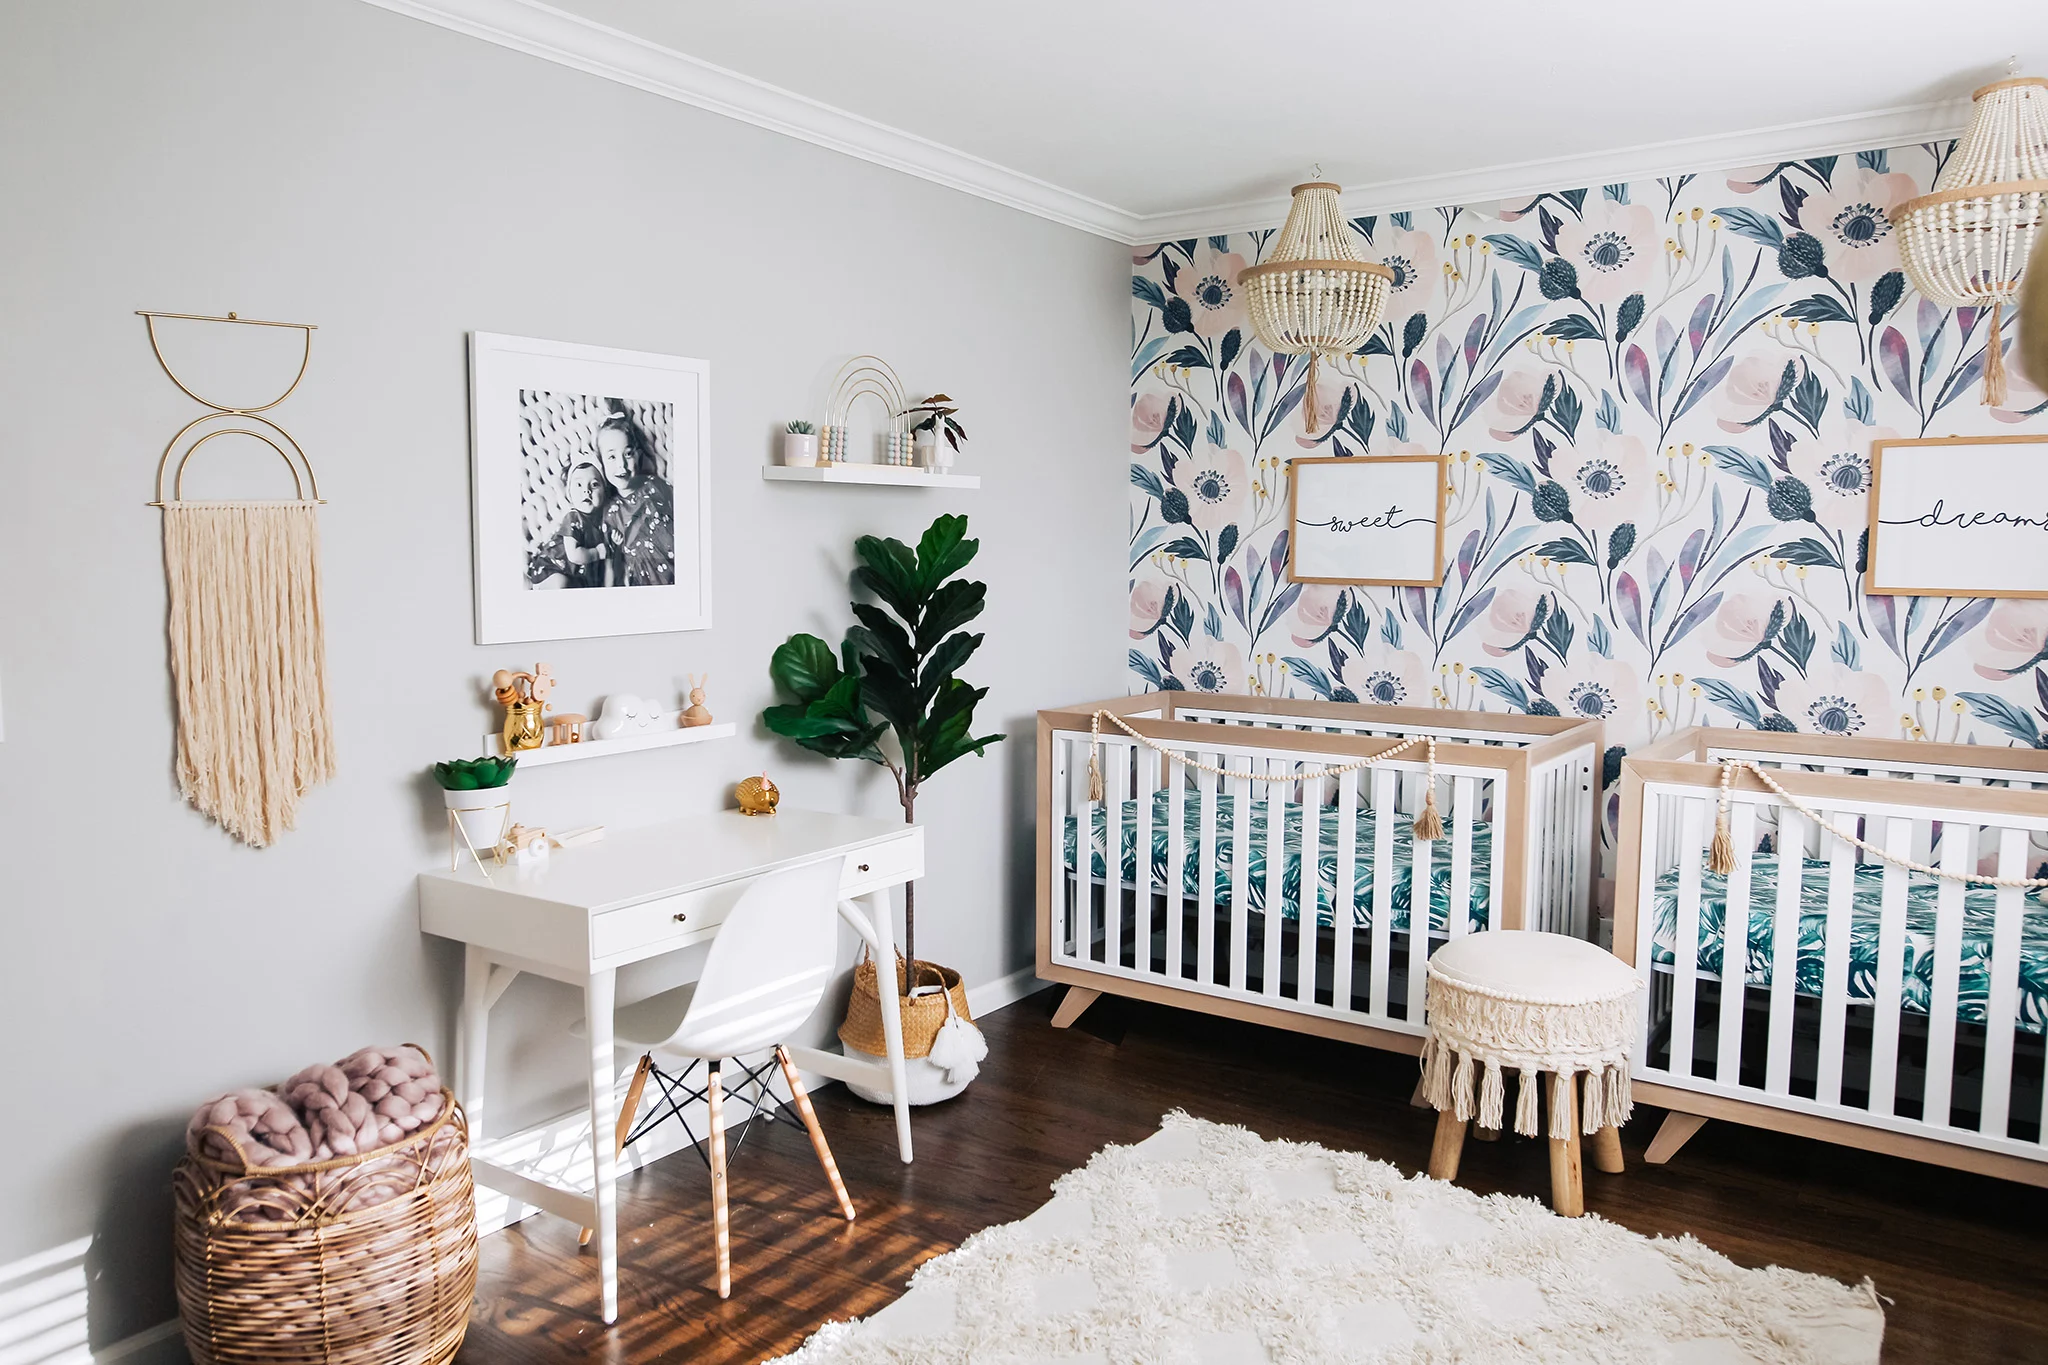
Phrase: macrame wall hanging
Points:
(248, 650)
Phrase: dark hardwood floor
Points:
(1962, 1259)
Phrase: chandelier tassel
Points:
(1994, 360)
(1308, 400)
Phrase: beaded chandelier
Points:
(1965, 245)
(1315, 295)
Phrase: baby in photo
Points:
(578, 556)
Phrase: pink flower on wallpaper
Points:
(1612, 248)
(1384, 676)
(1218, 485)
(1507, 620)
(1748, 179)
(1412, 257)
(1148, 603)
(1748, 391)
(1739, 627)
(1834, 699)
(1610, 482)
(1513, 405)
(1314, 611)
(1148, 419)
(1329, 398)
(1597, 689)
(2013, 637)
(1209, 284)
(1207, 665)
(1852, 218)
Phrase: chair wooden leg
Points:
(810, 1118)
(1449, 1145)
(1076, 1000)
(1567, 1185)
(626, 1112)
(721, 1233)
(1675, 1133)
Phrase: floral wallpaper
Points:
(1658, 400)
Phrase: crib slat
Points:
(1958, 857)
(1116, 762)
(1240, 873)
(1309, 914)
(1205, 893)
(1062, 908)
(1891, 966)
(1276, 867)
(1420, 886)
(1464, 804)
(1685, 939)
(2001, 1011)
(1084, 864)
(1384, 785)
(1735, 944)
(1344, 896)
(1174, 893)
(1834, 988)
(1141, 881)
(1785, 949)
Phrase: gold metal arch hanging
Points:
(304, 480)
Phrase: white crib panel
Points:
(1464, 810)
(1657, 813)
(1308, 914)
(1958, 858)
(1834, 990)
(1344, 904)
(1176, 888)
(1735, 943)
(1384, 783)
(2001, 1010)
(1891, 965)
(1240, 876)
(1276, 863)
(1116, 762)
(1141, 879)
(1205, 906)
(1418, 921)
(1792, 833)
(1685, 941)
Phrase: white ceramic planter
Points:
(483, 815)
(799, 449)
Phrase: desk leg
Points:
(472, 1038)
(597, 1008)
(892, 1015)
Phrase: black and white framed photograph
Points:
(1959, 516)
(1358, 519)
(591, 488)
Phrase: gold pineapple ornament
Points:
(758, 795)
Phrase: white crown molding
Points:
(540, 30)
(1841, 135)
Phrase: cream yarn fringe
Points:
(248, 661)
(1476, 1038)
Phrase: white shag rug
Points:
(1205, 1245)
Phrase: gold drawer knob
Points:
(681, 915)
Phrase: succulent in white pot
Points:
(800, 444)
(479, 792)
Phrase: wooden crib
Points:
(1873, 1005)
(1158, 891)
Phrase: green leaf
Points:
(941, 663)
(951, 607)
(884, 639)
(803, 667)
(943, 552)
(797, 722)
(889, 571)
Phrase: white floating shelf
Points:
(666, 733)
(891, 475)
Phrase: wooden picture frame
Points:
(1959, 516)
(1399, 479)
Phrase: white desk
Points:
(637, 894)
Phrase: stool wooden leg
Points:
(810, 1118)
(1487, 1134)
(627, 1110)
(720, 1232)
(1607, 1151)
(1416, 1098)
(1448, 1147)
(1567, 1188)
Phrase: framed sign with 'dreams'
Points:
(1367, 519)
(1959, 516)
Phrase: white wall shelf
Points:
(666, 733)
(889, 475)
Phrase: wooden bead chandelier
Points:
(1965, 244)
(1315, 295)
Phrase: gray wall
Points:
(400, 186)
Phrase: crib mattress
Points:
(1363, 872)
(1973, 977)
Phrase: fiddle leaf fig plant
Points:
(891, 694)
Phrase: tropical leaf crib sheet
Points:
(1922, 892)
(1290, 878)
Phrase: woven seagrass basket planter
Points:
(362, 1260)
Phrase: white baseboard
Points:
(991, 996)
(163, 1344)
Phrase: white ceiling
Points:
(1154, 119)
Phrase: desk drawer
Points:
(657, 925)
(885, 864)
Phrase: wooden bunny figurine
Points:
(697, 713)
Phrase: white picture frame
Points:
(1959, 516)
(590, 488)
(1367, 519)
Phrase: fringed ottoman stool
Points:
(1537, 1004)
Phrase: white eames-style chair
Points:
(766, 972)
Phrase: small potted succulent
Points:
(932, 416)
(800, 444)
(478, 791)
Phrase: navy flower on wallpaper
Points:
(1658, 399)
